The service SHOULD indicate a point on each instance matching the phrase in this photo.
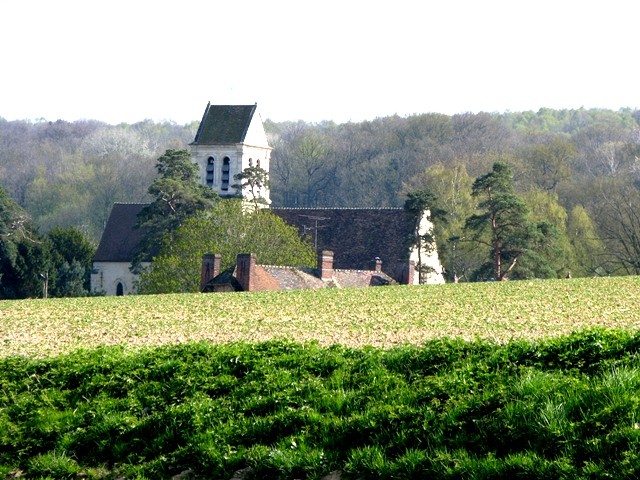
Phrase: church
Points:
(231, 138)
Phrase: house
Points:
(231, 138)
(248, 276)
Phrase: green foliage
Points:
(23, 253)
(588, 248)
(53, 465)
(72, 257)
(553, 255)
(560, 408)
(227, 230)
(14, 222)
(62, 200)
(303, 167)
(419, 201)
(550, 163)
(34, 259)
(63, 257)
(178, 195)
(452, 186)
(70, 280)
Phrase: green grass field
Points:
(381, 317)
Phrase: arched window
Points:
(226, 165)
(119, 289)
(258, 163)
(211, 163)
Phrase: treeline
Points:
(577, 169)
(70, 174)
(372, 163)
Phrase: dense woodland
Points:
(579, 170)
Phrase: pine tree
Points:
(502, 225)
(178, 195)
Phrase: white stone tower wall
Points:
(239, 157)
(429, 259)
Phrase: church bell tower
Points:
(230, 138)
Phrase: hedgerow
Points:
(567, 407)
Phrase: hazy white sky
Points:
(341, 60)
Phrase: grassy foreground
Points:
(381, 317)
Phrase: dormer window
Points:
(211, 163)
(226, 165)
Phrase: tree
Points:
(255, 180)
(228, 231)
(303, 165)
(421, 204)
(502, 223)
(619, 225)
(178, 195)
(23, 254)
(550, 162)
(452, 187)
(588, 249)
(33, 262)
(550, 253)
(72, 257)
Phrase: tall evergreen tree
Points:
(253, 179)
(178, 195)
(72, 256)
(502, 224)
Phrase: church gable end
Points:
(120, 238)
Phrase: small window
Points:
(211, 163)
(226, 166)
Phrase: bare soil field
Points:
(380, 317)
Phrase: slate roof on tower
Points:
(224, 124)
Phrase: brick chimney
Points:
(325, 265)
(210, 268)
(378, 265)
(245, 271)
